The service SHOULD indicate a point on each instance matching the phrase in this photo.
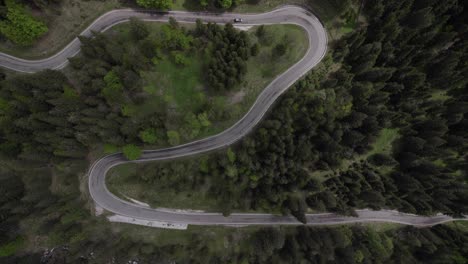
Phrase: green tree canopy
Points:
(149, 135)
(114, 88)
(20, 26)
(138, 29)
(173, 137)
(131, 152)
(159, 4)
(225, 3)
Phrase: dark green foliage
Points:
(45, 113)
(229, 52)
(138, 29)
(356, 244)
(34, 117)
(224, 3)
(279, 50)
(131, 152)
(382, 83)
(43, 4)
(260, 32)
(254, 49)
(158, 4)
(217, 4)
(391, 75)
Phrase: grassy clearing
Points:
(462, 226)
(345, 23)
(164, 237)
(346, 30)
(216, 239)
(439, 95)
(383, 227)
(11, 248)
(382, 144)
(65, 22)
(123, 182)
(181, 88)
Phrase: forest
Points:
(402, 71)
(53, 123)
(311, 152)
(57, 116)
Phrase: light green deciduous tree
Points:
(149, 135)
(131, 152)
(20, 26)
(159, 4)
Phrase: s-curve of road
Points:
(104, 199)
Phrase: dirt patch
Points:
(236, 97)
(243, 28)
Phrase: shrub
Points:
(20, 26)
(131, 152)
(159, 4)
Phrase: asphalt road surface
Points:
(317, 48)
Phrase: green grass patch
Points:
(349, 20)
(439, 95)
(12, 247)
(179, 85)
(65, 21)
(125, 183)
(383, 227)
(216, 239)
(383, 143)
(440, 163)
(462, 226)
(346, 29)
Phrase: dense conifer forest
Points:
(401, 72)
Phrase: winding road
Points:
(104, 199)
